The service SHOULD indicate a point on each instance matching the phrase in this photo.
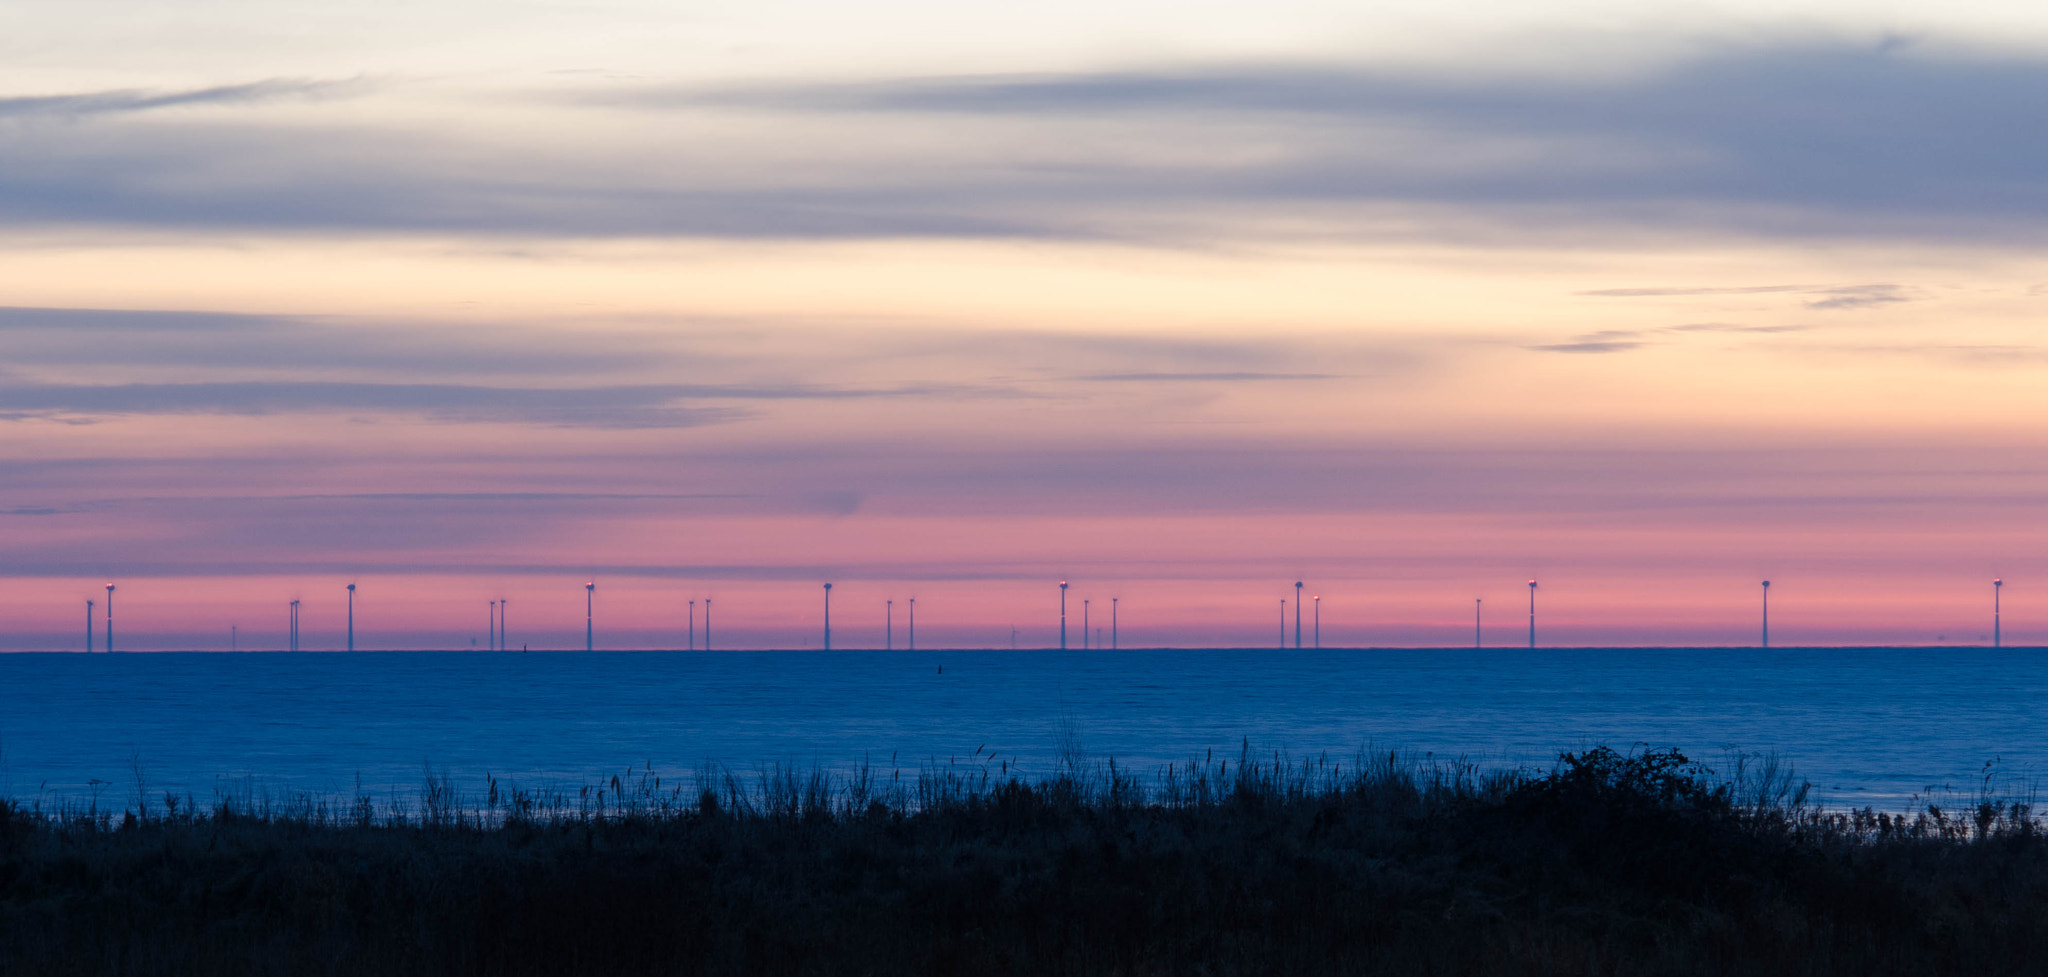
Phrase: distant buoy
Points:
(942, 669)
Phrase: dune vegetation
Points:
(1607, 863)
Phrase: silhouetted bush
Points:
(1609, 863)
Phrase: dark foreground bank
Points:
(1608, 864)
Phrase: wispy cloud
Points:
(141, 100)
(620, 407)
(1879, 138)
(83, 365)
(1603, 341)
(1623, 340)
(1830, 296)
(634, 406)
(1731, 327)
(1224, 377)
(1859, 297)
(952, 479)
(1597, 346)
(1685, 290)
(1788, 141)
(219, 341)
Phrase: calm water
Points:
(1866, 725)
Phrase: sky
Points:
(1179, 302)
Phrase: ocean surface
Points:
(1867, 726)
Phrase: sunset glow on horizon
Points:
(462, 303)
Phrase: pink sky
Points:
(1663, 561)
(460, 322)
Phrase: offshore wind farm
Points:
(645, 635)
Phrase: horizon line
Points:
(1944, 646)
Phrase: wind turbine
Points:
(589, 630)
(1319, 621)
(889, 632)
(110, 618)
(88, 627)
(913, 624)
(828, 617)
(351, 617)
(1283, 624)
(1297, 615)
(1477, 641)
(1063, 616)
(1767, 614)
(1997, 638)
(1084, 622)
(491, 640)
(1532, 615)
(693, 625)
(1112, 622)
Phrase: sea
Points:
(1889, 728)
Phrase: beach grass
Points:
(1607, 862)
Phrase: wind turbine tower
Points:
(1297, 615)
(1283, 624)
(88, 627)
(1997, 638)
(491, 639)
(828, 617)
(110, 618)
(913, 624)
(589, 629)
(1767, 614)
(1319, 621)
(1532, 614)
(1112, 622)
(351, 617)
(889, 632)
(1063, 615)
(1084, 622)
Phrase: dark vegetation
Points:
(1609, 863)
